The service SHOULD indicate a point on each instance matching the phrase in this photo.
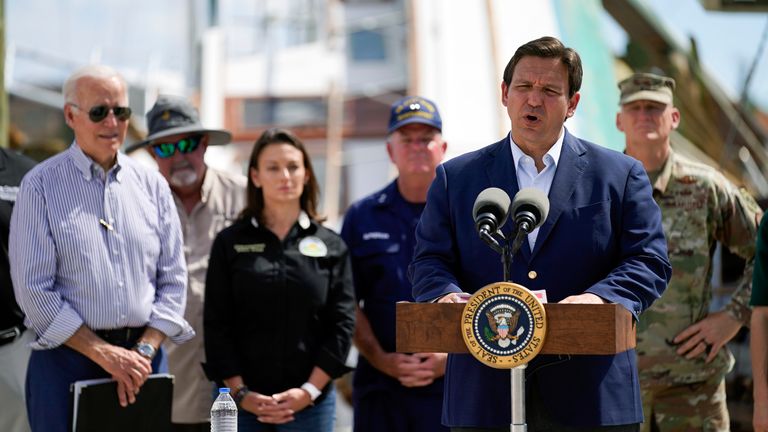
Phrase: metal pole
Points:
(4, 117)
(506, 262)
(737, 122)
(335, 118)
(412, 28)
(517, 375)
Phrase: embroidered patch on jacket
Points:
(250, 248)
(312, 246)
(376, 235)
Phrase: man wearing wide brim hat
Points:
(173, 115)
(207, 200)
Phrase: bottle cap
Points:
(223, 390)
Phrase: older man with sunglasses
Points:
(207, 201)
(96, 258)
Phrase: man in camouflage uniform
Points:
(681, 349)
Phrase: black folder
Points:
(97, 409)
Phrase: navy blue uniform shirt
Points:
(380, 233)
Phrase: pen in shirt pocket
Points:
(106, 224)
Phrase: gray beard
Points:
(183, 177)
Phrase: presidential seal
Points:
(503, 325)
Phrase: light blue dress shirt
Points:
(529, 176)
(95, 248)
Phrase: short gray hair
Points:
(90, 71)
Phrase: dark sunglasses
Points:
(184, 145)
(100, 112)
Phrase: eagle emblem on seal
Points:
(502, 320)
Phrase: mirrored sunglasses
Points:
(184, 145)
(100, 112)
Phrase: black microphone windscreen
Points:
(492, 200)
(533, 200)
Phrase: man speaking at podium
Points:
(602, 242)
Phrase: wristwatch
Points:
(145, 349)
(240, 393)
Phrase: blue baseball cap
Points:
(414, 109)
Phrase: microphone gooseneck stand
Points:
(501, 246)
(529, 209)
(517, 374)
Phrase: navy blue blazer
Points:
(603, 235)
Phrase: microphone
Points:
(490, 211)
(529, 209)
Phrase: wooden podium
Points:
(571, 329)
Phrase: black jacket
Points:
(12, 168)
(272, 310)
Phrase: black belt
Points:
(11, 334)
(121, 336)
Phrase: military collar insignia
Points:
(662, 181)
(386, 196)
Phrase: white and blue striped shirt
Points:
(95, 248)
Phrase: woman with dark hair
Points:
(279, 303)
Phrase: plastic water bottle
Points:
(224, 413)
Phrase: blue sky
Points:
(727, 43)
(146, 34)
(138, 33)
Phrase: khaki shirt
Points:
(699, 207)
(223, 197)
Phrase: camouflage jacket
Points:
(699, 207)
